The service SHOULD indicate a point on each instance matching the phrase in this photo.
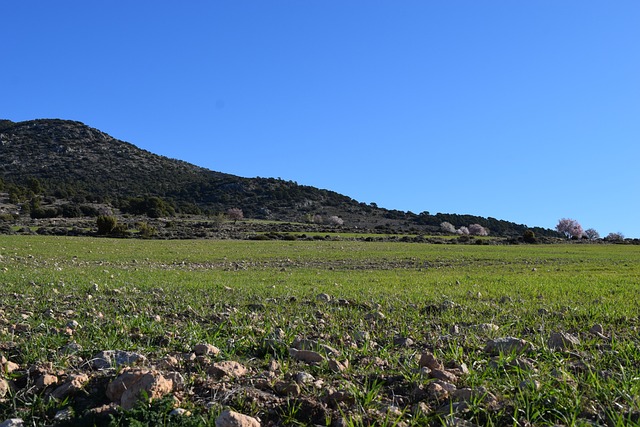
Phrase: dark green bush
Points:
(106, 224)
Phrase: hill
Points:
(66, 163)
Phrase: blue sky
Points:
(524, 111)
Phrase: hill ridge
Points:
(73, 161)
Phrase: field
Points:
(340, 333)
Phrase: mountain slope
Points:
(73, 161)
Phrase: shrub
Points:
(529, 236)
(145, 230)
(106, 224)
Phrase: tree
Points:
(591, 234)
(478, 230)
(570, 228)
(463, 231)
(335, 220)
(235, 214)
(615, 237)
(447, 227)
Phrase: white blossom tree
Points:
(570, 228)
(478, 230)
(447, 227)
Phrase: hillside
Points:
(69, 161)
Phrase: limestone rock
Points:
(206, 350)
(227, 368)
(563, 341)
(72, 385)
(507, 345)
(235, 419)
(126, 389)
(115, 358)
(306, 356)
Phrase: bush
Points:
(529, 236)
(106, 224)
(146, 230)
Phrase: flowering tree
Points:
(335, 220)
(235, 214)
(463, 231)
(478, 230)
(447, 227)
(591, 234)
(570, 228)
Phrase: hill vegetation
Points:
(58, 168)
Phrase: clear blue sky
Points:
(527, 111)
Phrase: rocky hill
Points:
(60, 160)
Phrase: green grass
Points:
(162, 297)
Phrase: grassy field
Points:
(371, 310)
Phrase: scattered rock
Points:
(180, 412)
(403, 342)
(4, 387)
(306, 356)
(45, 381)
(72, 385)
(235, 419)
(436, 392)
(443, 375)
(337, 366)
(304, 378)
(115, 358)
(323, 297)
(64, 415)
(429, 360)
(486, 327)
(126, 388)
(562, 341)
(507, 345)
(12, 422)
(227, 368)
(206, 350)
(376, 315)
(304, 344)
(287, 388)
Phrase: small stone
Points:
(227, 368)
(486, 327)
(12, 422)
(10, 367)
(64, 415)
(73, 324)
(427, 359)
(45, 381)
(443, 375)
(4, 387)
(127, 388)
(304, 378)
(361, 336)
(287, 388)
(72, 385)
(376, 315)
(115, 358)
(597, 329)
(206, 350)
(436, 392)
(403, 342)
(507, 345)
(179, 412)
(323, 297)
(234, 419)
(337, 366)
(304, 344)
(563, 341)
(306, 356)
